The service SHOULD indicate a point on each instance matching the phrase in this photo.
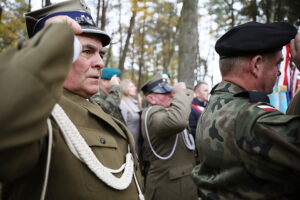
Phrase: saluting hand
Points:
(295, 50)
(178, 86)
(67, 20)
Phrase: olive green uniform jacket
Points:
(169, 179)
(249, 149)
(31, 81)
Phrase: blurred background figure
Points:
(167, 76)
(131, 111)
(199, 103)
(109, 96)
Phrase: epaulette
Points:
(254, 96)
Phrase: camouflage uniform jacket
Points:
(110, 102)
(249, 150)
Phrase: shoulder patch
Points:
(267, 108)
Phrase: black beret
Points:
(254, 38)
(76, 9)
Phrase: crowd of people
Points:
(75, 130)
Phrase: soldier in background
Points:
(249, 150)
(54, 143)
(109, 96)
(167, 146)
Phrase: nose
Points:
(98, 62)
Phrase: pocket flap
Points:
(95, 137)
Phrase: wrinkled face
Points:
(85, 71)
(131, 89)
(269, 73)
(164, 100)
(202, 92)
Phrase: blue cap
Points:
(108, 73)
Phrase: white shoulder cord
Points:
(50, 141)
(151, 147)
(188, 140)
(126, 174)
(82, 151)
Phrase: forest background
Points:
(150, 36)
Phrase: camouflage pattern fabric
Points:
(110, 102)
(249, 150)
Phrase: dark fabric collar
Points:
(226, 86)
(237, 91)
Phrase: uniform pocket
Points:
(105, 148)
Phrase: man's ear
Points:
(151, 99)
(256, 64)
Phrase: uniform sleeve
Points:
(110, 103)
(294, 106)
(174, 119)
(114, 97)
(270, 145)
(31, 78)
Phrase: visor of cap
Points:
(162, 88)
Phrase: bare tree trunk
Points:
(29, 6)
(132, 74)
(124, 53)
(120, 28)
(98, 12)
(188, 42)
(255, 10)
(230, 7)
(1, 9)
(108, 57)
(141, 57)
(103, 16)
(47, 2)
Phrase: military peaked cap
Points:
(254, 38)
(157, 84)
(108, 73)
(76, 9)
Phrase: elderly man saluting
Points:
(249, 149)
(170, 150)
(83, 153)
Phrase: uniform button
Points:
(102, 140)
